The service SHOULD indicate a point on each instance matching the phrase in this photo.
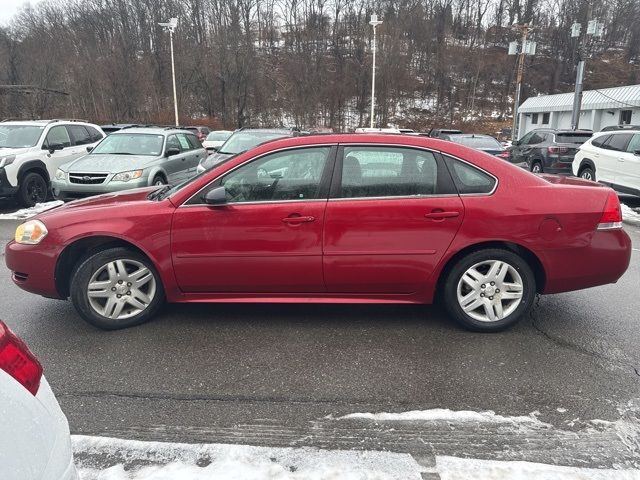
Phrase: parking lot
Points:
(272, 374)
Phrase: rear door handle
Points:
(441, 215)
(297, 220)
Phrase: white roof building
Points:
(600, 108)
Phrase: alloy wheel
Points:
(121, 289)
(587, 175)
(490, 290)
(36, 192)
(536, 168)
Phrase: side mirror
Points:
(637, 152)
(172, 151)
(89, 148)
(217, 196)
(215, 149)
(55, 146)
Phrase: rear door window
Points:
(379, 171)
(79, 134)
(618, 142)
(96, 136)
(599, 141)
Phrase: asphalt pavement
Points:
(280, 374)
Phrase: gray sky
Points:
(8, 8)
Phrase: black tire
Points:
(454, 277)
(588, 174)
(93, 263)
(158, 181)
(536, 167)
(33, 189)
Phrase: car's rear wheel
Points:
(489, 290)
(116, 288)
(588, 174)
(536, 167)
(159, 180)
(33, 189)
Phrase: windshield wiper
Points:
(156, 194)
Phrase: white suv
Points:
(612, 158)
(32, 151)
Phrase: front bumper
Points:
(6, 189)
(65, 190)
(33, 267)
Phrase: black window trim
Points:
(323, 188)
(605, 145)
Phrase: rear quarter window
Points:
(469, 179)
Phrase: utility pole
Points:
(374, 23)
(171, 27)
(526, 48)
(595, 29)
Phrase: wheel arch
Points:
(33, 166)
(80, 249)
(586, 162)
(531, 258)
(154, 173)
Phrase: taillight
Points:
(558, 149)
(504, 154)
(17, 360)
(611, 218)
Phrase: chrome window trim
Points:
(283, 149)
(398, 197)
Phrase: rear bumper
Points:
(33, 267)
(604, 260)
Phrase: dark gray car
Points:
(548, 150)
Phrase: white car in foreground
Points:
(34, 438)
(612, 158)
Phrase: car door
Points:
(193, 155)
(629, 173)
(58, 149)
(174, 164)
(612, 160)
(392, 214)
(267, 237)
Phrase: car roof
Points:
(151, 130)
(562, 130)
(45, 122)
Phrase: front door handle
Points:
(298, 220)
(441, 215)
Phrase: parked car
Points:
(548, 150)
(620, 127)
(32, 151)
(130, 158)
(377, 130)
(200, 131)
(612, 158)
(484, 143)
(438, 132)
(242, 140)
(331, 218)
(34, 438)
(215, 139)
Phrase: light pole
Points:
(171, 27)
(595, 29)
(374, 23)
(526, 48)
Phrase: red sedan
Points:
(336, 218)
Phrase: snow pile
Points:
(31, 211)
(175, 461)
(452, 468)
(629, 215)
(443, 414)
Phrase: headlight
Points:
(60, 175)
(31, 232)
(126, 176)
(8, 160)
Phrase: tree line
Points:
(302, 63)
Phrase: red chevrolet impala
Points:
(336, 218)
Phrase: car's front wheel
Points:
(536, 167)
(116, 288)
(33, 190)
(489, 290)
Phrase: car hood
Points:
(105, 200)
(213, 160)
(107, 163)
(5, 151)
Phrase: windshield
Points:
(19, 136)
(572, 137)
(131, 144)
(477, 142)
(243, 141)
(218, 136)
